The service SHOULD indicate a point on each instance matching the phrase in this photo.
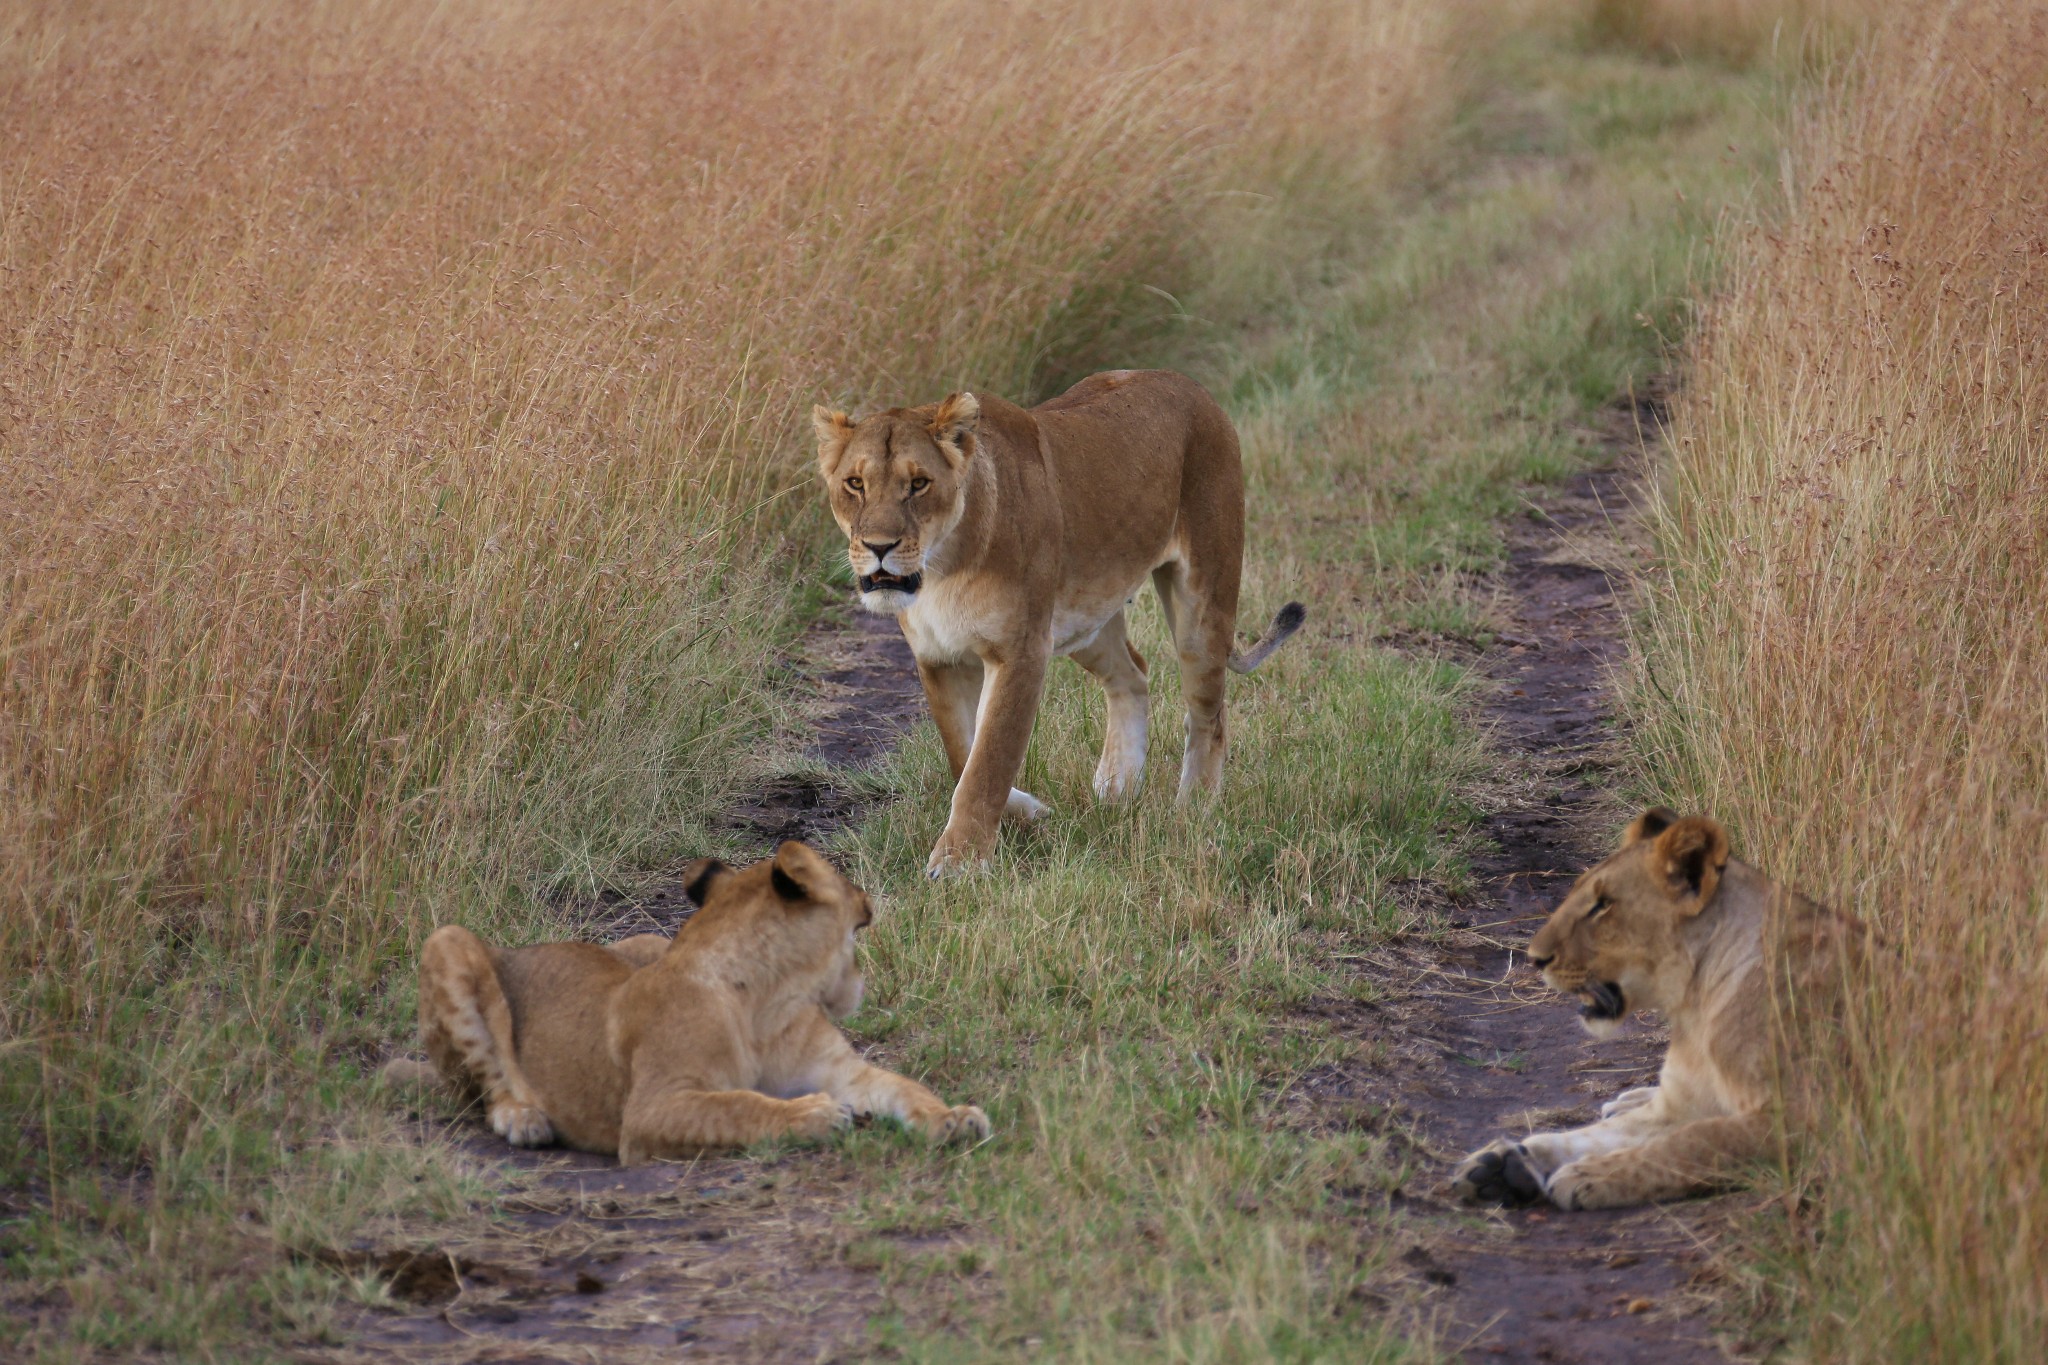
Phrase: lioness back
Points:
(560, 994)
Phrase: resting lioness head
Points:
(791, 919)
(1615, 939)
(897, 482)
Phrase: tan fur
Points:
(1000, 537)
(1669, 923)
(653, 1048)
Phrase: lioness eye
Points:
(1599, 905)
(919, 485)
(853, 485)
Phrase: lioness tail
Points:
(401, 1071)
(1279, 633)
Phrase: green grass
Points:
(1122, 991)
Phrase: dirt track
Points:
(1470, 1044)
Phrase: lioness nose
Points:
(881, 551)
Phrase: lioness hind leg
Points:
(1121, 671)
(1202, 616)
(466, 1025)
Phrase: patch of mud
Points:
(733, 1259)
(1465, 1042)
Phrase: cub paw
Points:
(1499, 1173)
(961, 1123)
(818, 1116)
(522, 1125)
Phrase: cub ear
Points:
(954, 423)
(1649, 825)
(1692, 853)
(698, 877)
(834, 430)
(800, 873)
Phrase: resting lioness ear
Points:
(1691, 854)
(699, 877)
(799, 875)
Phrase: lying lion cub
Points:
(1669, 923)
(653, 1048)
(1000, 537)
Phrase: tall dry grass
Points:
(399, 400)
(1789, 32)
(1851, 663)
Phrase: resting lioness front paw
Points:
(1499, 1173)
(961, 1123)
(818, 1116)
(522, 1125)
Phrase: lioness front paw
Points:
(1499, 1173)
(961, 1123)
(522, 1125)
(955, 854)
(818, 1116)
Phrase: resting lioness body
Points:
(656, 1048)
(1000, 537)
(1671, 923)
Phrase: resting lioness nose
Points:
(999, 537)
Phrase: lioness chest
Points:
(956, 619)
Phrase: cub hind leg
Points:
(466, 1025)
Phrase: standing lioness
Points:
(999, 537)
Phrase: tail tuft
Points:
(1284, 625)
(404, 1071)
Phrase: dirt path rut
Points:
(1467, 1041)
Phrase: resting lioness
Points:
(1670, 923)
(1000, 537)
(655, 1048)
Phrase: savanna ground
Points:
(408, 523)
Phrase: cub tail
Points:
(1279, 633)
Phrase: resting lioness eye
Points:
(919, 485)
(853, 485)
(1600, 903)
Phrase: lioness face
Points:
(1616, 941)
(896, 482)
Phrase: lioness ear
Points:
(698, 877)
(800, 873)
(1648, 825)
(1693, 851)
(834, 429)
(953, 424)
